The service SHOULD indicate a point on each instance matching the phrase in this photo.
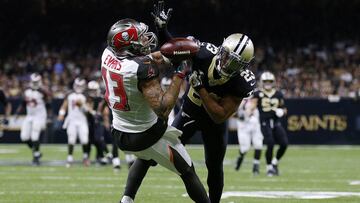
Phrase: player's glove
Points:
(183, 68)
(279, 112)
(196, 80)
(161, 18)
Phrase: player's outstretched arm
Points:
(219, 110)
(161, 102)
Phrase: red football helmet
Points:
(128, 36)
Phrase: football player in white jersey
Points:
(140, 107)
(75, 123)
(249, 132)
(35, 100)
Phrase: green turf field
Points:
(308, 174)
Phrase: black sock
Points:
(281, 151)
(115, 151)
(136, 174)
(29, 144)
(257, 154)
(269, 154)
(70, 149)
(192, 181)
(86, 148)
(239, 160)
(36, 146)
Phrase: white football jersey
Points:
(245, 111)
(76, 106)
(131, 112)
(35, 102)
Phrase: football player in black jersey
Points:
(7, 110)
(270, 103)
(219, 82)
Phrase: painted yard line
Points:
(354, 182)
(287, 194)
(290, 194)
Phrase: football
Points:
(180, 48)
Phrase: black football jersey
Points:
(268, 102)
(241, 85)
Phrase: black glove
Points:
(161, 18)
(197, 80)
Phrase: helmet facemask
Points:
(268, 84)
(231, 63)
(35, 82)
(235, 55)
(267, 80)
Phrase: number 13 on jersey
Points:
(115, 94)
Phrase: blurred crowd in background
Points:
(312, 51)
(309, 71)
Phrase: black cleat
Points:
(276, 170)
(36, 160)
(255, 169)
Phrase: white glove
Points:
(279, 112)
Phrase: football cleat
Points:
(276, 170)
(36, 160)
(255, 169)
(69, 161)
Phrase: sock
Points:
(36, 146)
(281, 151)
(274, 161)
(269, 154)
(136, 174)
(70, 149)
(257, 154)
(29, 143)
(194, 187)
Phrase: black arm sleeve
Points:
(164, 36)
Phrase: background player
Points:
(76, 123)
(270, 103)
(7, 111)
(249, 132)
(35, 100)
(140, 108)
(96, 134)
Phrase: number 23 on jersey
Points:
(115, 94)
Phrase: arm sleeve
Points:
(147, 69)
(164, 36)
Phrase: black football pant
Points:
(215, 140)
(274, 132)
